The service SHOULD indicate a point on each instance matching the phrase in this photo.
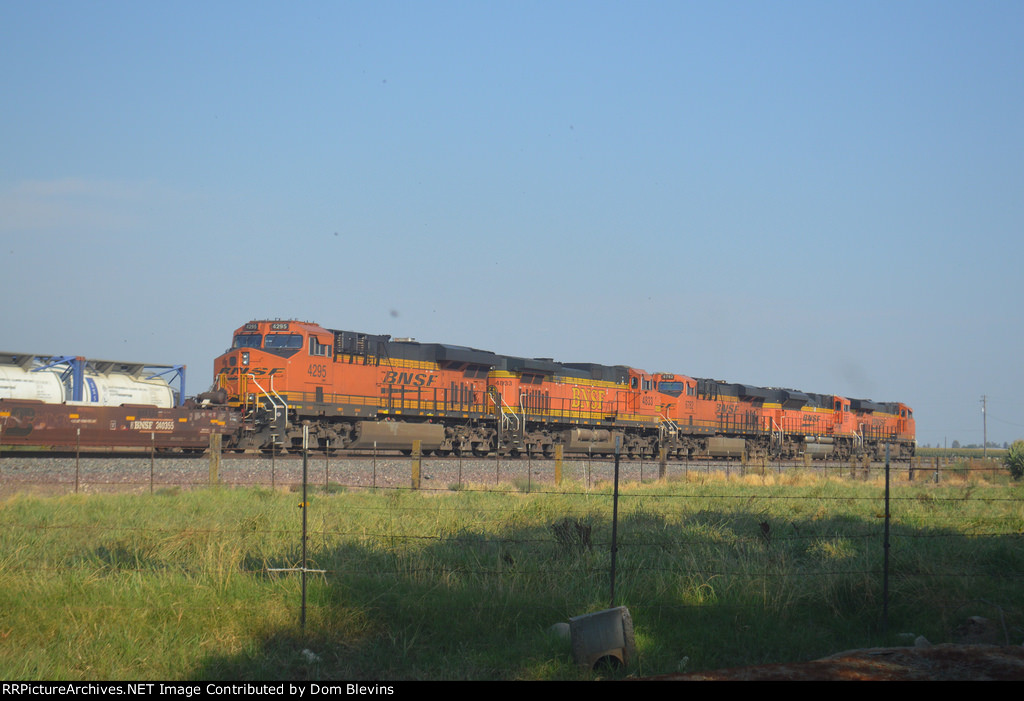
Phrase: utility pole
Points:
(984, 427)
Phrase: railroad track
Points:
(122, 472)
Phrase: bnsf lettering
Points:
(152, 425)
(259, 372)
(419, 379)
(583, 399)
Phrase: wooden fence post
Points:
(215, 455)
(416, 460)
(559, 449)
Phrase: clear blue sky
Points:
(820, 195)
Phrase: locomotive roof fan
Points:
(605, 637)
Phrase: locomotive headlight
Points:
(245, 358)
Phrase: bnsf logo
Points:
(259, 372)
(420, 379)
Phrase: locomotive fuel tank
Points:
(721, 447)
(395, 435)
(590, 440)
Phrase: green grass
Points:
(994, 454)
(464, 584)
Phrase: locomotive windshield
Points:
(248, 340)
(672, 388)
(283, 341)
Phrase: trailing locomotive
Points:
(69, 401)
(358, 390)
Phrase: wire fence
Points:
(659, 536)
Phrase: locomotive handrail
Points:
(511, 412)
(522, 406)
(673, 426)
(284, 404)
(501, 410)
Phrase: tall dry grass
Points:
(464, 584)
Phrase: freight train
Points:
(358, 391)
(70, 401)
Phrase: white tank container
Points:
(18, 383)
(113, 389)
(116, 389)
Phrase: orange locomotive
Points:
(357, 390)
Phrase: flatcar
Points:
(70, 401)
(361, 390)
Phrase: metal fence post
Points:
(305, 511)
(615, 518)
(885, 549)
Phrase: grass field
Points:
(956, 453)
(465, 583)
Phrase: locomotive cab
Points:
(905, 425)
(678, 405)
(843, 421)
(267, 357)
(645, 400)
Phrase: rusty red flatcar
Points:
(69, 401)
(33, 423)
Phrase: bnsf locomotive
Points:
(359, 390)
